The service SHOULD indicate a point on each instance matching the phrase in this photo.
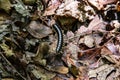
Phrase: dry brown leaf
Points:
(4, 16)
(96, 4)
(71, 9)
(98, 39)
(82, 29)
(96, 24)
(5, 5)
(105, 2)
(112, 48)
(101, 72)
(117, 74)
(52, 7)
(73, 50)
(83, 73)
(38, 30)
(60, 69)
(68, 9)
(99, 4)
(118, 49)
(94, 65)
(75, 10)
(41, 73)
(110, 77)
(105, 51)
(89, 41)
(43, 49)
(70, 34)
(112, 59)
(68, 60)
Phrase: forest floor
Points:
(59, 40)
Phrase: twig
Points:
(1, 54)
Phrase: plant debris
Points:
(59, 39)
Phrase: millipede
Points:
(60, 37)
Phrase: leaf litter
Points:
(91, 40)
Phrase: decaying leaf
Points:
(89, 41)
(3, 31)
(97, 24)
(20, 8)
(38, 30)
(40, 73)
(3, 28)
(3, 17)
(112, 59)
(73, 50)
(29, 2)
(105, 51)
(71, 9)
(103, 75)
(74, 70)
(52, 7)
(70, 34)
(99, 4)
(66, 21)
(82, 29)
(69, 61)
(3, 71)
(117, 74)
(102, 72)
(60, 69)
(112, 48)
(43, 50)
(5, 5)
(8, 52)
